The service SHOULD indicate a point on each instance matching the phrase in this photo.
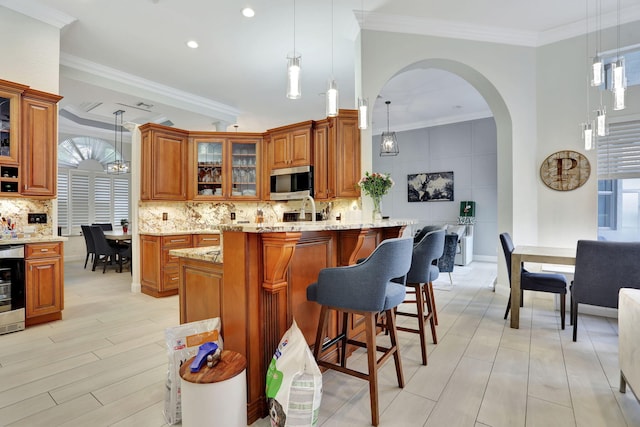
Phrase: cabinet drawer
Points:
(169, 260)
(43, 250)
(179, 241)
(200, 240)
(170, 279)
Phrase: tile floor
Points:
(105, 364)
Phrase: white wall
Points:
(30, 50)
(538, 97)
(469, 150)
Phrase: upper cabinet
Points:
(28, 141)
(39, 143)
(165, 163)
(290, 146)
(10, 98)
(337, 156)
(227, 167)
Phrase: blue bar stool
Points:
(365, 289)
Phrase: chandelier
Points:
(118, 166)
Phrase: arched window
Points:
(86, 193)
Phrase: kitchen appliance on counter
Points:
(12, 298)
(291, 183)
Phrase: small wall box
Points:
(467, 208)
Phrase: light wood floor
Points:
(105, 364)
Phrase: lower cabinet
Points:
(158, 269)
(44, 282)
(200, 290)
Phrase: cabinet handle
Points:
(174, 278)
(207, 240)
(177, 240)
(44, 250)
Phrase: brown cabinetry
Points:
(39, 143)
(201, 240)
(227, 167)
(44, 282)
(290, 146)
(28, 141)
(337, 156)
(200, 290)
(164, 163)
(159, 269)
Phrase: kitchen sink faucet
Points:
(313, 208)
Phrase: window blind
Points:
(79, 191)
(619, 151)
(63, 201)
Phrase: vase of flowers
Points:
(125, 225)
(376, 185)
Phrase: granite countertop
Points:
(314, 226)
(31, 239)
(205, 253)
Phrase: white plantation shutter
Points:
(120, 199)
(87, 197)
(102, 199)
(619, 152)
(79, 199)
(63, 202)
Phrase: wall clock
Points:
(565, 170)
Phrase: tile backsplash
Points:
(16, 211)
(207, 215)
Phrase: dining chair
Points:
(529, 281)
(423, 271)
(104, 226)
(602, 268)
(88, 241)
(364, 289)
(125, 257)
(104, 251)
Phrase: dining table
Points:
(116, 235)
(539, 254)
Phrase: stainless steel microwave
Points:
(291, 183)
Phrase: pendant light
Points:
(294, 90)
(597, 67)
(618, 77)
(363, 103)
(118, 166)
(363, 113)
(388, 142)
(332, 91)
(587, 127)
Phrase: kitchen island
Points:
(265, 274)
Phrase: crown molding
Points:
(43, 13)
(466, 31)
(187, 100)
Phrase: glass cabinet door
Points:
(9, 132)
(244, 169)
(211, 177)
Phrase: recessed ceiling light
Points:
(247, 12)
(192, 44)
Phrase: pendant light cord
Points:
(332, 76)
(294, 28)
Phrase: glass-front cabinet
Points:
(227, 168)
(9, 121)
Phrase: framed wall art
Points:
(430, 187)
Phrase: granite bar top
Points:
(205, 253)
(314, 226)
(6, 240)
(178, 232)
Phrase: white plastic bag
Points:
(294, 382)
(182, 343)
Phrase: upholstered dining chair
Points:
(420, 279)
(602, 268)
(529, 281)
(364, 289)
(88, 241)
(104, 251)
(105, 226)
